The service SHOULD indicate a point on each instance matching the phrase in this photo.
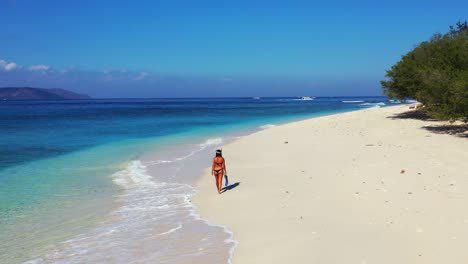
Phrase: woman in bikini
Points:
(218, 169)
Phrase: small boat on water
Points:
(307, 98)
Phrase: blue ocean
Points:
(110, 181)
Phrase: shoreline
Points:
(360, 185)
(151, 174)
(197, 148)
(122, 156)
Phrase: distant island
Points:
(28, 93)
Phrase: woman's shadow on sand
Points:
(230, 187)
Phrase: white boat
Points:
(307, 98)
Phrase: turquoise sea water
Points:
(61, 162)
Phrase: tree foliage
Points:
(436, 74)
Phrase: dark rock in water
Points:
(28, 93)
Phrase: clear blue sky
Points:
(213, 48)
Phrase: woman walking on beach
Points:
(218, 169)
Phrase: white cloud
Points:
(8, 66)
(141, 76)
(11, 66)
(225, 79)
(40, 67)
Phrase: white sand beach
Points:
(358, 187)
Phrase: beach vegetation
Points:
(435, 73)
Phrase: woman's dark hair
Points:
(218, 153)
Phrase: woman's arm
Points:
(212, 168)
(224, 167)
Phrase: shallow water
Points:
(154, 221)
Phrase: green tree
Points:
(436, 74)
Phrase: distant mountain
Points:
(28, 93)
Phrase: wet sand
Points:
(359, 187)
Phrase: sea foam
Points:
(372, 105)
(132, 175)
(267, 126)
(352, 102)
(155, 220)
(211, 142)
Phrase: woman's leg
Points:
(219, 181)
(216, 180)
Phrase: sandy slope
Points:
(350, 188)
